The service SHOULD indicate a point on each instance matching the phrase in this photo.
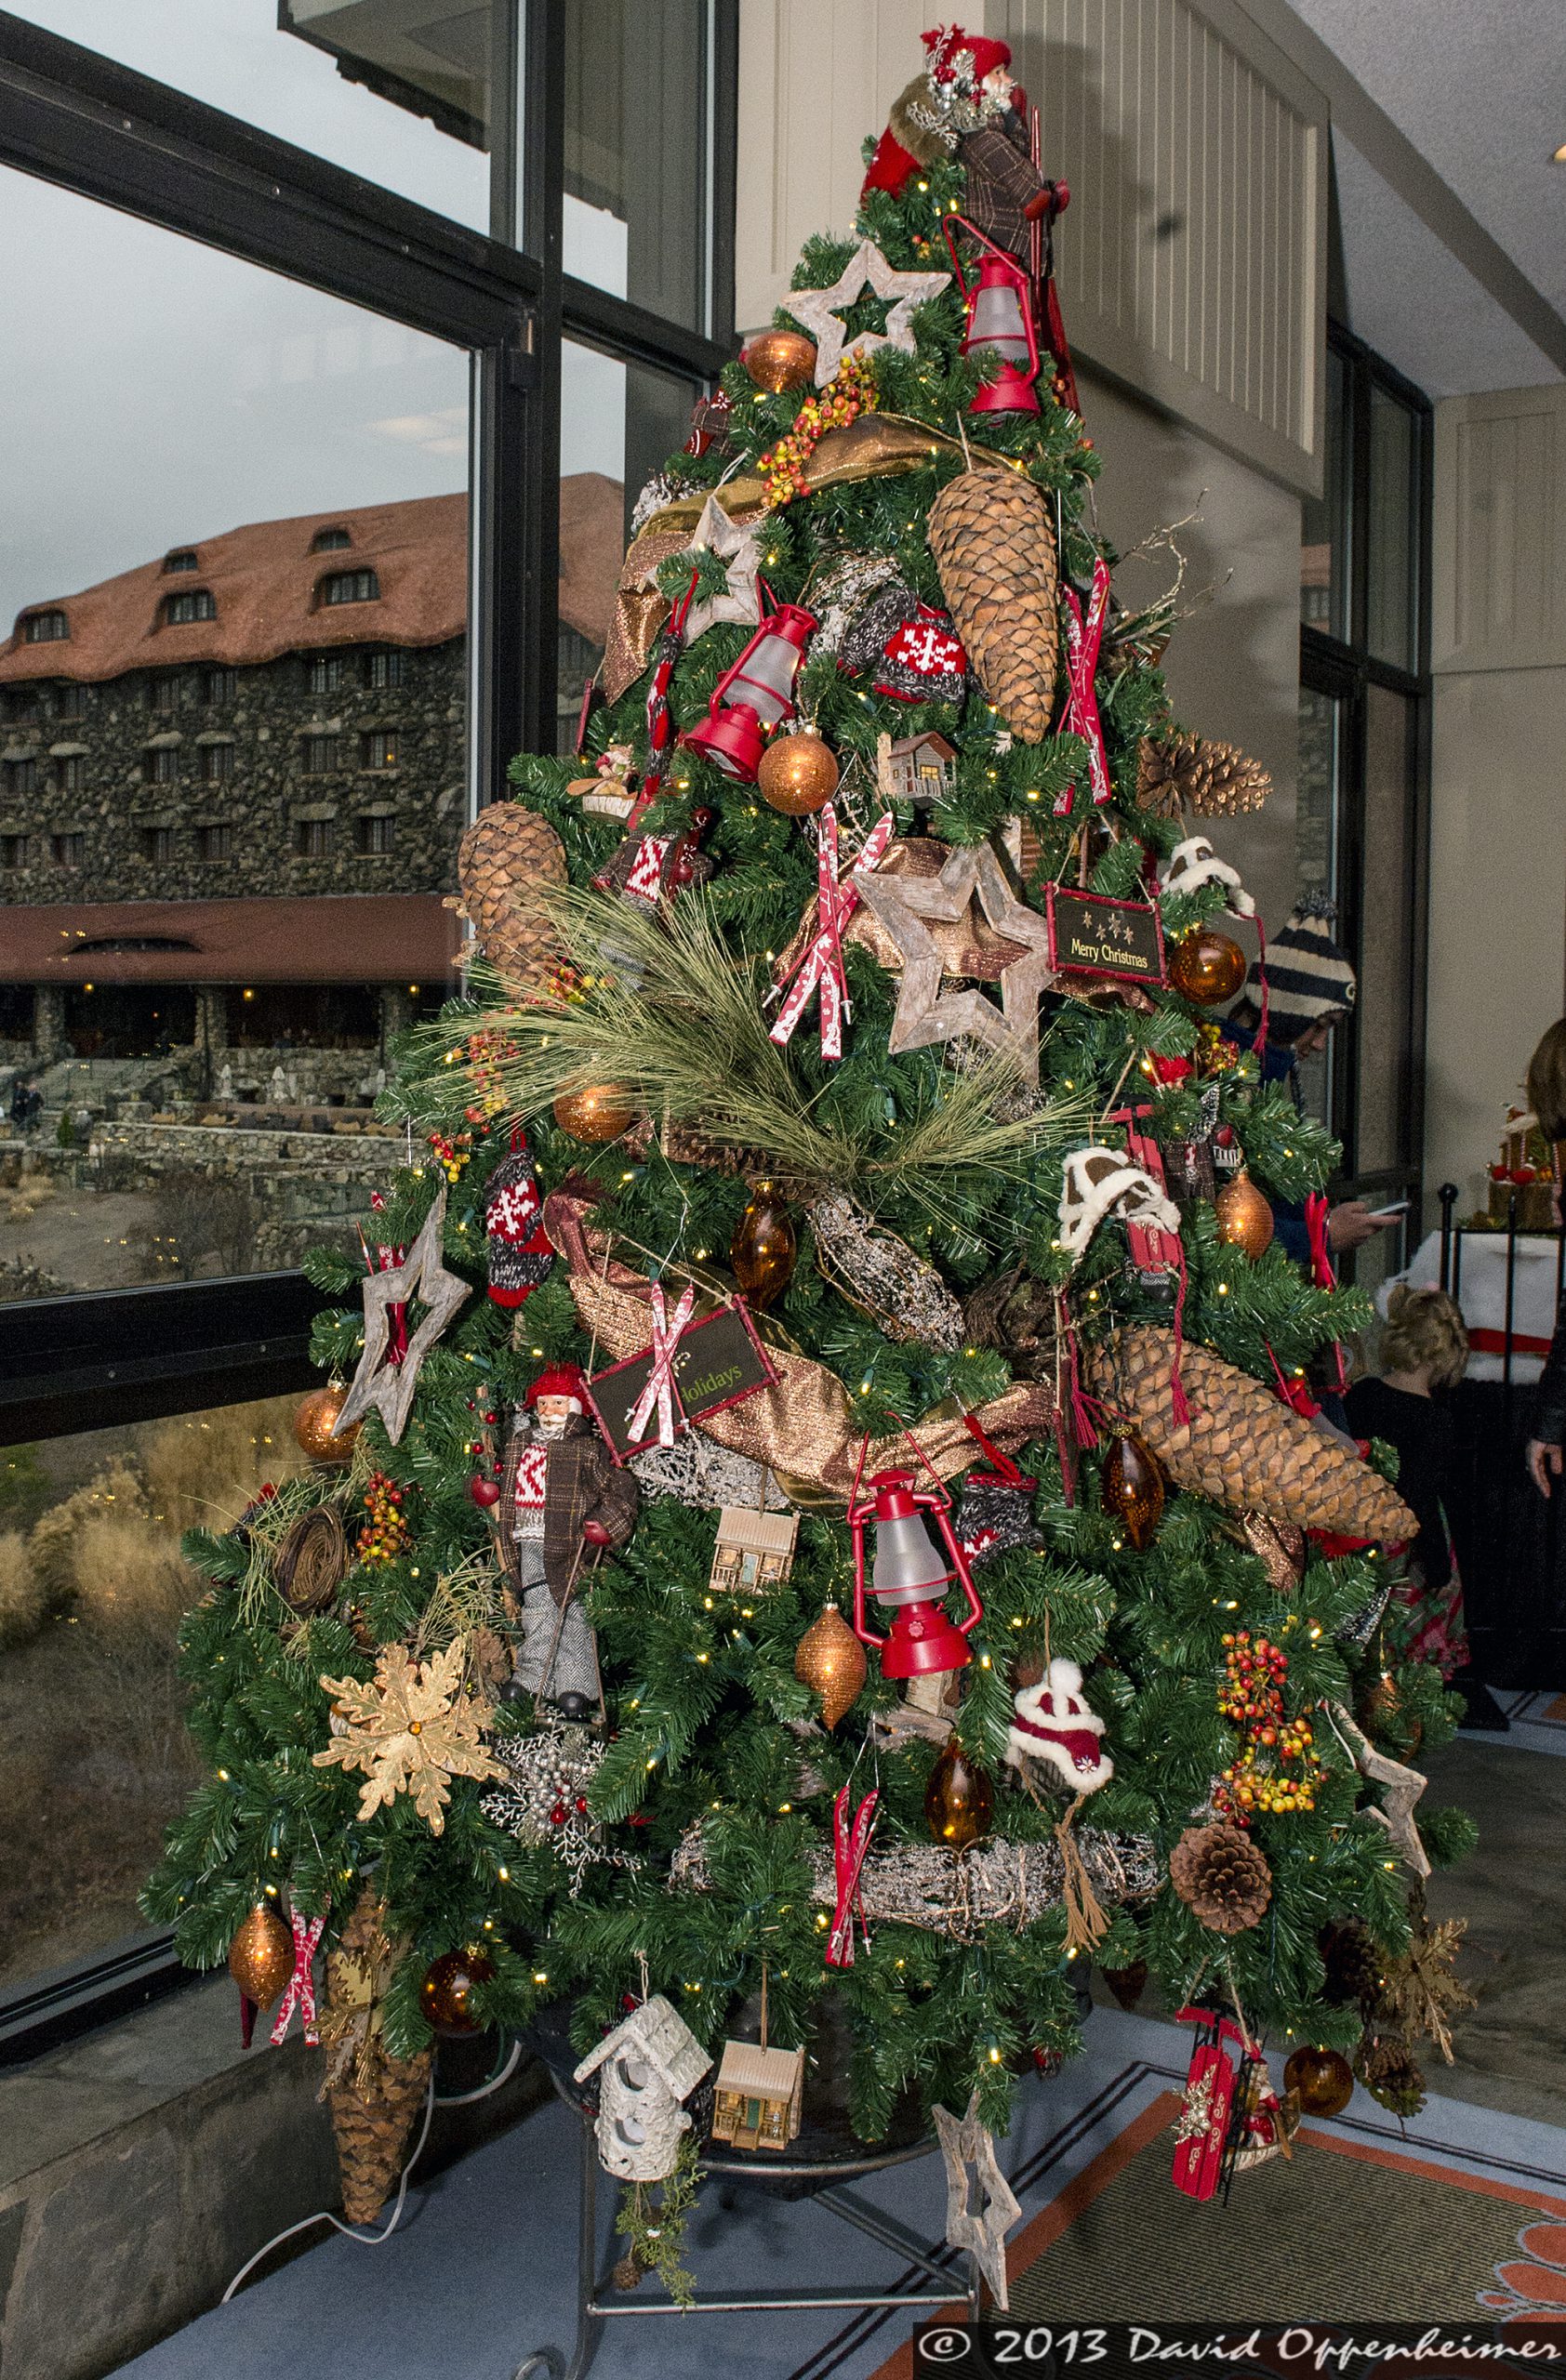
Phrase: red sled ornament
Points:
(1201, 2128)
(520, 1254)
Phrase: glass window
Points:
(385, 670)
(1317, 813)
(374, 833)
(92, 1589)
(637, 164)
(71, 701)
(181, 610)
(183, 560)
(378, 749)
(289, 410)
(620, 424)
(396, 90)
(350, 586)
(318, 755)
(1324, 554)
(313, 838)
(326, 673)
(329, 541)
(46, 627)
(1392, 544)
(1386, 959)
(72, 772)
(13, 850)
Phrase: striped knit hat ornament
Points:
(1308, 975)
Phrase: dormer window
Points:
(329, 541)
(45, 627)
(182, 558)
(181, 611)
(350, 587)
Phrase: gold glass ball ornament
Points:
(831, 1660)
(765, 1246)
(1207, 967)
(959, 1799)
(447, 1991)
(599, 1111)
(1323, 2079)
(798, 773)
(261, 1955)
(1132, 1489)
(1244, 1216)
(315, 1419)
(779, 360)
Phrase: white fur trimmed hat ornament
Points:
(1100, 1183)
(1051, 1723)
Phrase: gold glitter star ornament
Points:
(818, 308)
(411, 1728)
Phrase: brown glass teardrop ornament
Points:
(1244, 1216)
(831, 1660)
(261, 1955)
(1132, 1490)
(763, 1247)
(959, 1799)
(447, 1992)
(1207, 967)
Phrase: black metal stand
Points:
(822, 2177)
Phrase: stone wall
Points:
(95, 775)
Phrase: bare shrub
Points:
(23, 1597)
(200, 1221)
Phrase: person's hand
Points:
(596, 1533)
(1352, 1223)
(1543, 1463)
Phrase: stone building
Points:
(232, 781)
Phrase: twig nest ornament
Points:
(1053, 1723)
(1223, 1876)
(1207, 967)
(312, 1562)
(1132, 1489)
(1323, 2079)
(798, 773)
(959, 1799)
(316, 1419)
(1244, 1217)
(599, 1111)
(831, 1660)
(445, 1994)
(779, 360)
(261, 1955)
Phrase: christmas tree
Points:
(830, 1502)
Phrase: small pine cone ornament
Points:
(504, 857)
(1194, 773)
(520, 1254)
(1221, 1874)
(994, 547)
(1353, 1963)
(1243, 1446)
(1391, 2074)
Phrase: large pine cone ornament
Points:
(375, 2103)
(994, 547)
(1221, 1874)
(504, 857)
(1243, 1446)
(1194, 773)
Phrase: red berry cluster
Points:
(452, 1155)
(386, 1533)
(1278, 1769)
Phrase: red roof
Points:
(368, 938)
(266, 583)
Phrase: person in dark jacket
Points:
(1311, 988)
(1546, 1097)
(1423, 1350)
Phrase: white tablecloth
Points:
(1481, 1293)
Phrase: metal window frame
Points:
(79, 121)
(1345, 669)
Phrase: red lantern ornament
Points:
(910, 1576)
(999, 323)
(754, 696)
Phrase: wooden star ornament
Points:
(866, 269)
(741, 548)
(1401, 1788)
(925, 1014)
(389, 1388)
(968, 2150)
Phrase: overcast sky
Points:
(157, 392)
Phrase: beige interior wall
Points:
(1497, 952)
(1233, 663)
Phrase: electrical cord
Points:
(378, 2239)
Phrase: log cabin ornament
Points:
(646, 2067)
(754, 1552)
(758, 2095)
(920, 768)
(1051, 1723)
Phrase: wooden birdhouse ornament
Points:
(757, 2096)
(646, 2067)
(755, 1551)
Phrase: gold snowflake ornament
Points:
(411, 1729)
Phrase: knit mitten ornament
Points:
(520, 1254)
(1051, 1722)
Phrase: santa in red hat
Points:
(966, 105)
(563, 1501)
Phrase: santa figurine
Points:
(562, 1500)
(966, 104)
